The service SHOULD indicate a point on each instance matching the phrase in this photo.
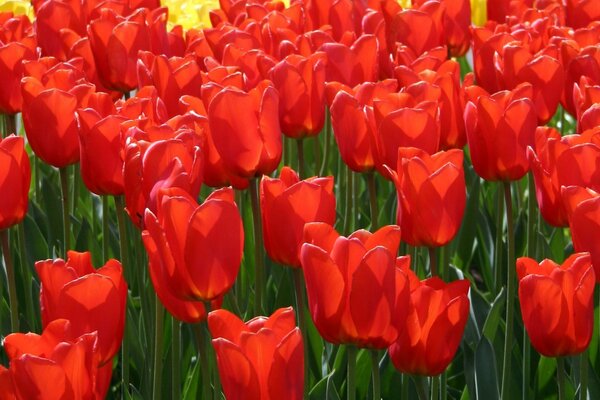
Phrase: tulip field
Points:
(299, 199)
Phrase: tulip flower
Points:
(354, 125)
(352, 65)
(351, 284)
(578, 61)
(581, 13)
(58, 364)
(100, 147)
(557, 303)
(437, 316)
(51, 94)
(586, 97)
(583, 210)
(245, 129)
(200, 246)
(427, 19)
(300, 83)
(15, 177)
(456, 24)
(261, 359)
(93, 300)
(500, 127)
(431, 195)
(562, 161)
(296, 202)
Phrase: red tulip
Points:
(578, 60)
(93, 300)
(153, 163)
(262, 359)
(486, 43)
(200, 246)
(557, 303)
(562, 161)
(100, 147)
(437, 316)
(15, 177)
(58, 364)
(586, 97)
(51, 94)
(301, 87)
(580, 13)
(431, 195)
(427, 19)
(245, 129)
(583, 210)
(352, 65)
(351, 284)
(353, 123)
(173, 77)
(405, 120)
(296, 202)
(51, 18)
(500, 127)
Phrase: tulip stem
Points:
(432, 261)
(560, 376)
(201, 338)
(351, 351)
(299, 287)
(510, 296)
(444, 386)
(373, 200)
(376, 375)
(323, 168)
(348, 201)
(531, 251)
(158, 342)
(498, 242)
(176, 358)
(105, 231)
(301, 164)
(11, 124)
(33, 318)
(421, 384)
(259, 255)
(583, 371)
(64, 184)
(435, 387)
(10, 277)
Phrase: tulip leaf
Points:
(486, 378)
(545, 373)
(494, 317)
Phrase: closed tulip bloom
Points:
(431, 195)
(205, 241)
(300, 82)
(557, 303)
(428, 19)
(500, 127)
(93, 300)
(287, 204)
(437, 316)
(351, 284)
(58, 364)
(562, 161)
(354, 64)
(100, 147)
(245, 129)
(262, 359)
(15, 177)
(51, 94)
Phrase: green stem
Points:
(299, 288)
(259, 255)
(12, 287)
(348, 201)
(560, 377)
(36, 184)
(158, 341)
(105, 230)
(351, 384)
(64, 184)
(376, 375)
(443, 270)
(444, 386)
(201, 337)
(510, 295)
(405, 386)
(531, 251)
(435, 387)
(301, 163)
(421, 384)
(323, 168)
(76, 179)
(176, 358)
(124, 254)
(11, 124)
(432, 261)
(583, 377)
(498, 243)
(373, 200)
(25, 269)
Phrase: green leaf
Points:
(494, 317)
(486, 377)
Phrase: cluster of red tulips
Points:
(154, 115)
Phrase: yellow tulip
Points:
(479, 12)
(17, 7)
